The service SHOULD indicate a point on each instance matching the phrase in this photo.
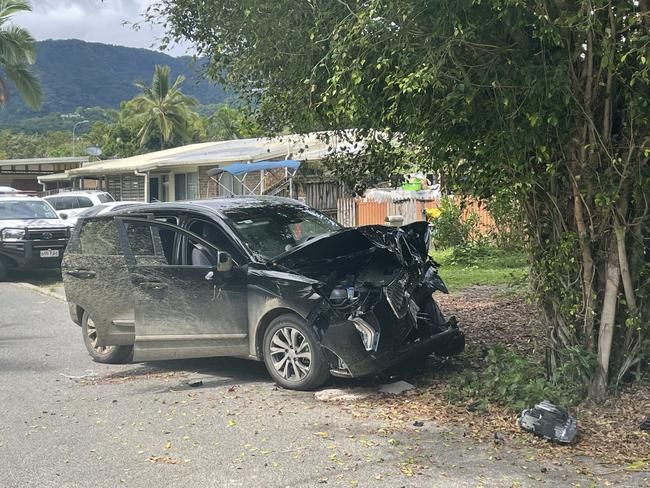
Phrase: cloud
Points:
(107, 21)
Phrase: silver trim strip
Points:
(188, 337)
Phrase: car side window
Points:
(99, 238)
(65, 203)
(84, 202)
(154, 244)
(197, 255)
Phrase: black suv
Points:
(264, 278)
(31, 234)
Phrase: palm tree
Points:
(17, 52)
(164, 108)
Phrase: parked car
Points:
(264, 278)
(70, 204)
(31, 234)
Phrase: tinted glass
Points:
(180, 192)
(84, 202)
(26, 210)
(105, 197)
(99, 238)
(270, 231)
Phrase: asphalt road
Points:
(69, 422)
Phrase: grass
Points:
(492, 267)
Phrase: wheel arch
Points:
(264, 323)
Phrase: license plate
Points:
(50, 253)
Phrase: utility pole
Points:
(74, 128)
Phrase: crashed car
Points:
(264, 278)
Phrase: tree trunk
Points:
(598, 386)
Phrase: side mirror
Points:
(64, 216)
(224, 262)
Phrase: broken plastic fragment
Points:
(645, 425)
(550, 422)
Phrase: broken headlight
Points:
(369, 336)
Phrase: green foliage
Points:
(229, 122)
(17, 53)
(163, 109)
(516, 382)
(77, 74)
(17, 145)
(493, 267)
(450, 229)
(541, 103)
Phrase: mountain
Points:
(78, 74)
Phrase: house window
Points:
(186, 186)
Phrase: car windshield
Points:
(26, 210)
(270, 231)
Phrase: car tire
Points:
(108, 354)
(292, 354)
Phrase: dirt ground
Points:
(610, 440)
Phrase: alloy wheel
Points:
(290, 353)
(91, 331)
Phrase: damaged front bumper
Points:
(348, 357)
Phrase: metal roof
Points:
(303, 147)
(37, 161)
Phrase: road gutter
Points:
(41, 290)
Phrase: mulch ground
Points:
(609, 434)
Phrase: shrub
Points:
(516, 382)
(449, 227)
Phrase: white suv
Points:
(70, 204)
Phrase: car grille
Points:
(397, 296)
(46, 234)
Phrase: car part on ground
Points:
(645, 425)
(550, 422)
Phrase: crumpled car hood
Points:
(405, 244)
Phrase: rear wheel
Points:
(101, 354)
(292, 354)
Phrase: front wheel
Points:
(102, 354)
(292, 354)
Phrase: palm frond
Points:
(10, 7)
(160, 82)
(17, 46)
(27, 84)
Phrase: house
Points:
(23, 174)
(181, 173)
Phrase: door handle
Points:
(152, 285)
(81, 273)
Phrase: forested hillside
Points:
(77, 74)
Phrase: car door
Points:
(182, 310)
(96, 278)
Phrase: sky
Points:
(92, 20)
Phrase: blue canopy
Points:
(239, 168)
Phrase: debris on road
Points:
(550, 422)
(194, 383)
(645, 425)
(340, 395)
(418, 423)
(396, 388)
(89, 373)
(163, 460)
